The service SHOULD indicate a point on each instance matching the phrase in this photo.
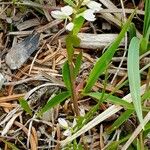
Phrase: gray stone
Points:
(20, 52)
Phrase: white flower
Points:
(67, 132)
(92, 5)
(64, 13)
(89, 15)
(63, 123)
(69, 26)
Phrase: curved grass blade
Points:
(111, 98)
(54, 101)
(123, 117)
(105, 59)
(24, 104)
(134, 76)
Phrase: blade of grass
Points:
(105, 59)
(134, 76)
(111, 98)
(146, 18)
(123, 117)
(54, 101)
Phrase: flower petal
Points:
(63, 123)
(69, 26)
(94, 6)
(89, 15)
(67, 132)
(67, 10)
(58, 14)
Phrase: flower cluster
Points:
(66, 11)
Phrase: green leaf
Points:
(66, 75)
(143, 45)
(146, 18)
(110, 98)
(24, 104)
(134, 76)
(132, 31)
(54, 101)
(105, 59)
(78, 23)
(138, 147)
(115, 144)
(123, 117)
(71, 42)
(78, 64)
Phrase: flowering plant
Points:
(76, 13)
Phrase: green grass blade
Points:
(146, 18)
(112, 99)
(115, 144)
(24, 104)
(54, 101)
(123, 117)
(134, 76)
(105, 59)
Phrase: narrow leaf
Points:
(24, 104)
(105, 59)
(146, 18)
(71, 42)
(54, 101)
(78, 64)
(134, 76)
(78, 22)
(66, 75)
(132, 31)
(123, 117)
(112, 99)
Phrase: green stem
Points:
(73, 94)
